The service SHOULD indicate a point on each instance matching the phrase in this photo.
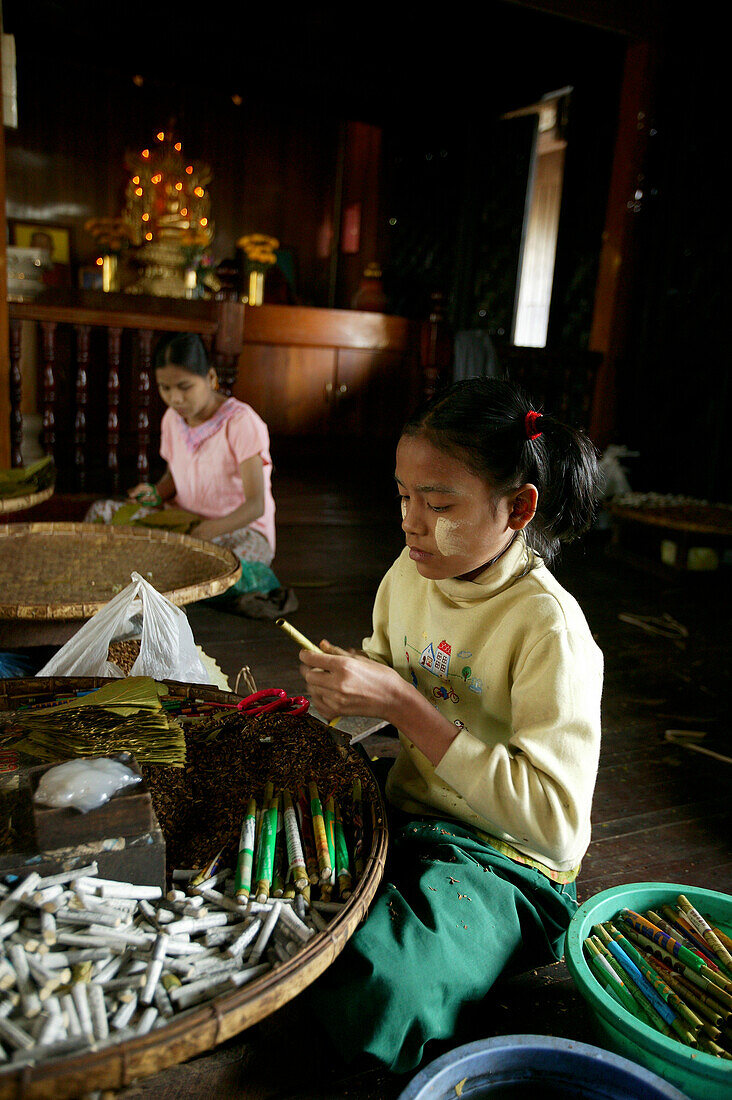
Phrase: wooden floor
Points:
(660, 813)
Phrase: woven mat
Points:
(70, 570)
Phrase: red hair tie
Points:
(530, 424)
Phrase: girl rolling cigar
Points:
(488, 670)
(219, 467)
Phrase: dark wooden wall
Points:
(280, 157)
(272, 171)
(674, 379)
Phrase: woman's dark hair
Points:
(185, 350)
(482, 422)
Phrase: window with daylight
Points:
(541, 220)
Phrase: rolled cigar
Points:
(245, 857)
(244, 938)
(342, 866)
(265, 933)
(308, 839)
(111, 888)
(88, 871)
(297, 637)
(325, 867)
(15, 1036)
(162, 1001)
(147, 1020)
(73, 1024)
(51, 1029)
(295, 856)
(124, 1014)
(11, 901)
(98, 1011)
(80, 998)
(704, 929)
(198, 924)
(154, 970)
(241, 977)
(223, 901)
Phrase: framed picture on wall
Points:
(54, 239)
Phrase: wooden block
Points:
(138, 859)
(127, 813)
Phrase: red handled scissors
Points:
(269, 701)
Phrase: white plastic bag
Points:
(167, 648)
(83, 784)
(613, 474)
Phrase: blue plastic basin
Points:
(536, 1066)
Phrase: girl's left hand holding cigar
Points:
(341, 684)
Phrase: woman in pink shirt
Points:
(217, 451)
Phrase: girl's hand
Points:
(328, 647)
(144, 493)
(207, 529)
(340, 685)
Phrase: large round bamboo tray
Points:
(17, 504)
(71, 570)
(202, 1028)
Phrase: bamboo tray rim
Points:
(672, 518)
(184, 594)
(17, 504)
(205, 1026)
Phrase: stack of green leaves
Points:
(169, 519)
(126, 716)
(25, 480)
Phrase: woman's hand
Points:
(207, 529)
(341, 684)
(144, 493)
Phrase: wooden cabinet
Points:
(339, 373)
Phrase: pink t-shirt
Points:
(204, 462)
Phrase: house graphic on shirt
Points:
(437, 662)
(442, 659)
(427, 658)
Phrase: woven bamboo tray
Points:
(202, 1028)
(706, 519)
(17, 504)
(71, 570)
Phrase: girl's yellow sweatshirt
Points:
(510, 660)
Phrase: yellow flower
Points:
(257, 240)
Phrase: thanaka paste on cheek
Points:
(448, 536)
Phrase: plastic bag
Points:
(167, 648)
(83, 784)
(613, 474)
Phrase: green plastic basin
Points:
(694, 1072)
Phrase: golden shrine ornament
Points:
(168, 213)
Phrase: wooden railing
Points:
(94, 368)
(101, 411)
(94, 385)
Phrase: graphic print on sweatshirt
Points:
(436, 659)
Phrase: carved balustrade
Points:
(100, 409)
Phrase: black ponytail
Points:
(491, 426)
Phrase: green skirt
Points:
(450, 916)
